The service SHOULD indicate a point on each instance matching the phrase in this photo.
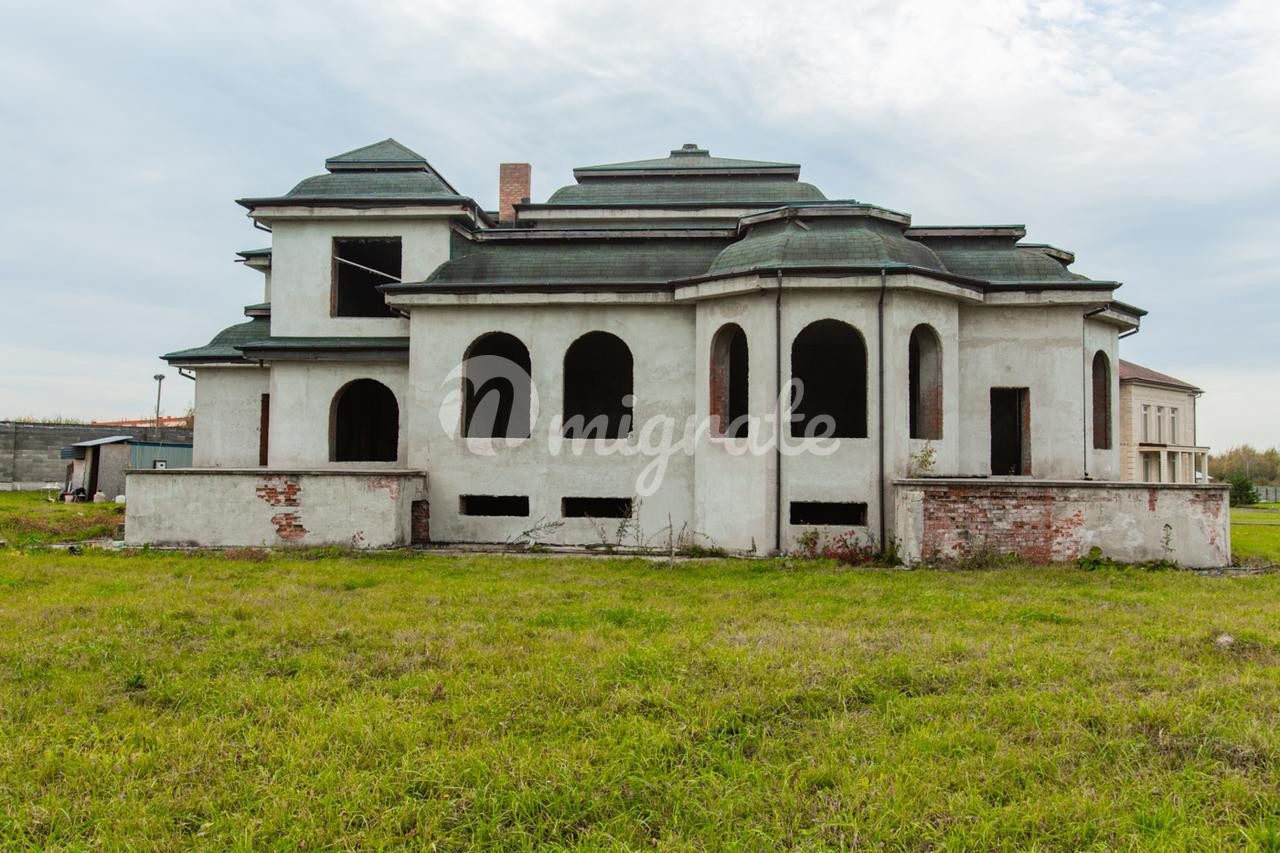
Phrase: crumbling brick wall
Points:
(1055, 521)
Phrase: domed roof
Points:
(992, 253)
(688, 175)
(846, 236)
(225, 345)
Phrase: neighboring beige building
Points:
(1158, 428)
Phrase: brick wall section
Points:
(420, 516)
(1058, 521)
(29, 452)
(514, 181)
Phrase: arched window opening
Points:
(729, 382)
(829, 380)
(1101, 401)
(924, 380)
(598, 376)
(365, 423)
(496, 388)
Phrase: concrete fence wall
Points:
(29, 451)
(272, 507)
(1052, 521)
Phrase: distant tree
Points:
(1246, 461)
(1242, 491)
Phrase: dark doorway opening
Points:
(1010, 431)
(829, 373)
(598, 376)
(365, 423)
(360, 264)
(829, 512)
(494, 505)
(496, 388)
(264, 428)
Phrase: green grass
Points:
(164, 700)
(1259, 538)
(27, 518)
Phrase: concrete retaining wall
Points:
(272, 507)
(29, 452)
(1052, 521)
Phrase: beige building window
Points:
(1159, 424)
(1146, 424)
(1173, 467)
(1173, 427)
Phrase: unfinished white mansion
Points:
(365, 401)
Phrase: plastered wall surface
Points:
(272, 508)
(229, 407)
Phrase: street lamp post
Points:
(159, 378)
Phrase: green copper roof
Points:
(828, 241)
(224, 345)
(385, 172)
(997, 259)
(688, 157)
(744, 190)
(387, 154)
(398, 186)
(328, 349)
(569, 262)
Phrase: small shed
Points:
(99, 464)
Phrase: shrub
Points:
(847, 548)
(1242, 491)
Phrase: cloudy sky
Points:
(1144, 136)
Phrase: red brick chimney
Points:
(513, 188)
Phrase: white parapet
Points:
(1059, 520)
(269, 507)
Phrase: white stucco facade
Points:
(664, 280)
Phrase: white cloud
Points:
(1140, 134)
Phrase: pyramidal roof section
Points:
(689, 160)
(387, 154)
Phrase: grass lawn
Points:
(1259, 537)
(27, 518)
(159, 700)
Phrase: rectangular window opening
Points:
(513, 506)
(360, 265)
(595, 507)
(829, 512)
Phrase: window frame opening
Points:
(924, 383)
(598, 387)
(493, 506)
(1100, 400)
(364, 427)
(819, 354)
(828, 513)
(359, 265)
(497, 363)
(596, 507)
(1010, 432)
(729, 382)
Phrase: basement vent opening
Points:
(514, 506)
(359, 266)
(595, 507)
(827, 512)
